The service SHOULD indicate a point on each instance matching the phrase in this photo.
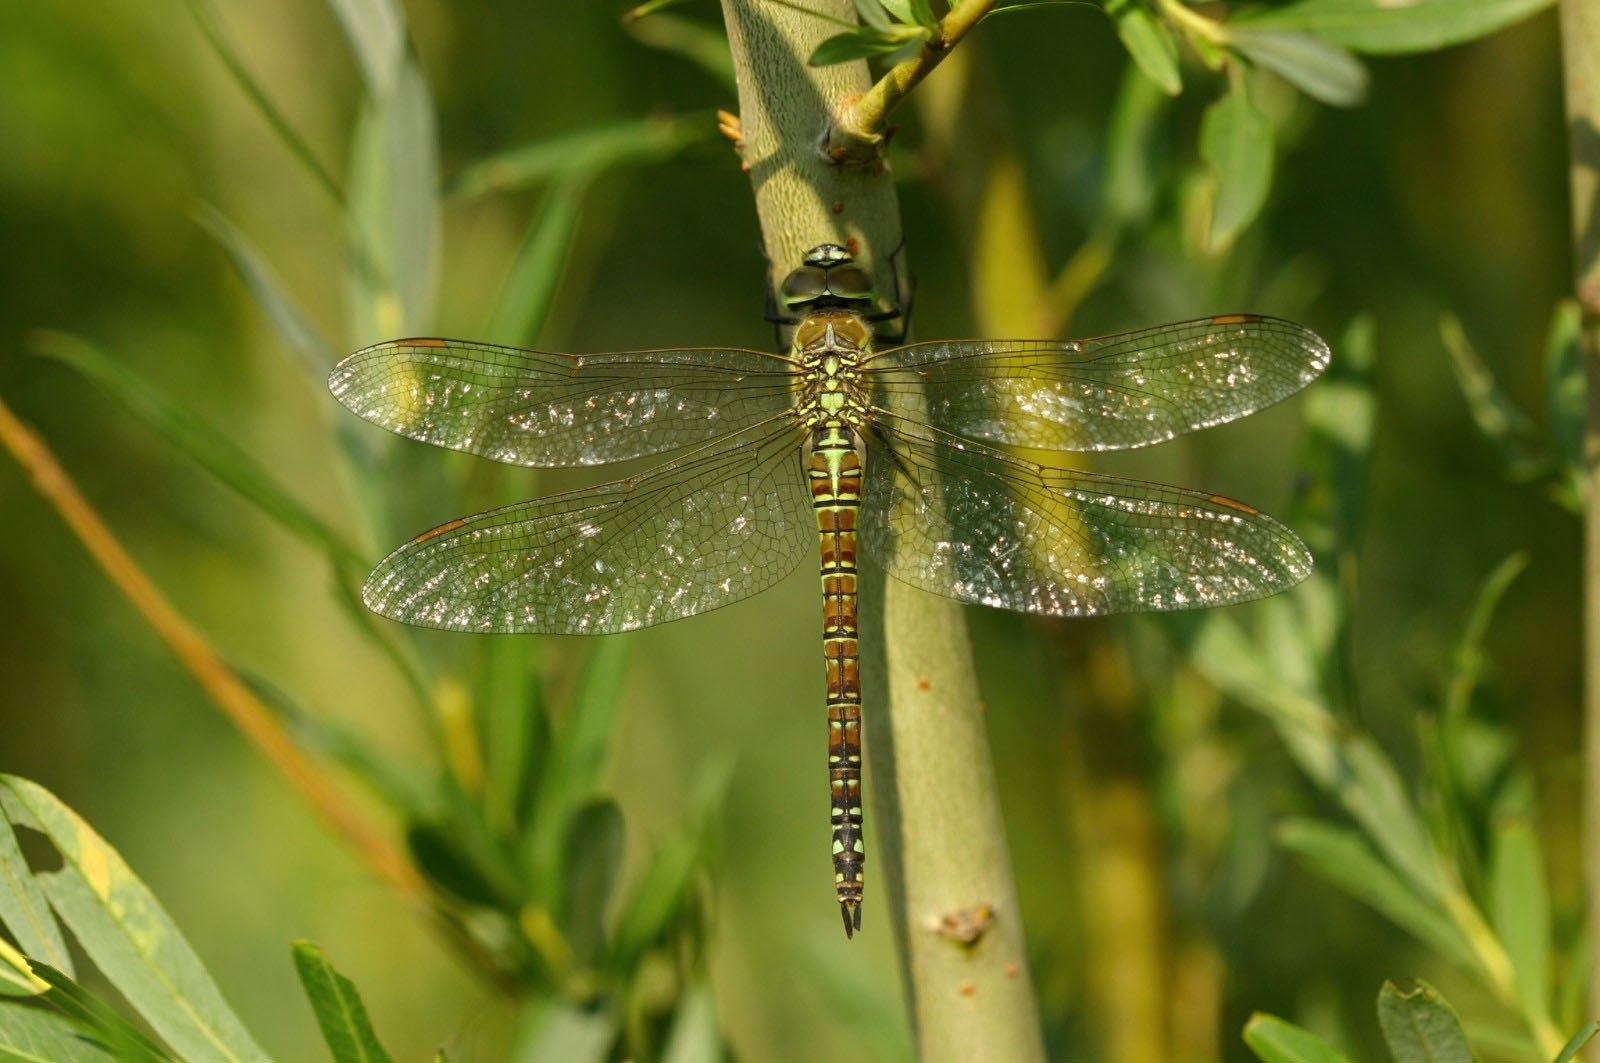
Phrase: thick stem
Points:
(935, 824)
(1580, 51)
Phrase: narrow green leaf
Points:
(1236, 143)
(922, 14)
(694, 1036)
(119, 1035)
(376, 31)
(1519, 907)
(208, 448)
(1321, 70)
(1419, 1026)
(872, 13)
(1133, 136)
(593, 859)
(16, 974)
(584, 153)
(126, 932)
(507, 702)
(649, 8)
(864, 43)
(555, 1029)
(1571, 1049)
(1382, 27)
(530, 287)
(211, 28)
(573, 768)
(1523, 450)
(31, 1035)
(393, 191)
(1342, 857)
(1470, 659)
(24, 911)
(315, 356)
(338, 1007)
(1275, 1040)
(704, 46)
(1149, 42)
(657, 901)
(1341, 419)
(1565, 396)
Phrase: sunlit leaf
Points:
(210, 449)
(340, 1013)
(1419, 1026)
(584, 154)
(1275, 1040)
(555, 1029)
(1570, 1050)
(24, 911)
(874, 13)
(1148, 41)
(1321, 70)
(1519, 907)
(127, 934)
(694, 1036)
(1383, 27)
(1236, 143)
(376, 31)
(31, 1035)
(16, 974)
(393, 197)
(119, 1035)
(1342, 857)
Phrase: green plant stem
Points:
(1580, 53)
(935, 822)
(861, 123)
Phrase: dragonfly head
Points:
(828, 278)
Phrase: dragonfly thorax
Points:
(830, 346)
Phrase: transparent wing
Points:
(541, 408)
(979, 526)
(718, 525)
(1111, 393)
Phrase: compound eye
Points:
(850, 282)
(804, 285)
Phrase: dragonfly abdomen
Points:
(835, 477)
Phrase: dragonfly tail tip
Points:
(851, 910)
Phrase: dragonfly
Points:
(904, 457)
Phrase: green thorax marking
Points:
(830, 346)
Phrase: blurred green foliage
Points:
(1211, 817)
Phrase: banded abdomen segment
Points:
(835, 475)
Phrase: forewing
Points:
(718, 525)
(546, 409)
(979, 526)
(1111, 393)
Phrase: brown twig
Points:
(861, 127)
(226, 690)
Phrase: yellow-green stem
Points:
(934, 830)
(1580, 53)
